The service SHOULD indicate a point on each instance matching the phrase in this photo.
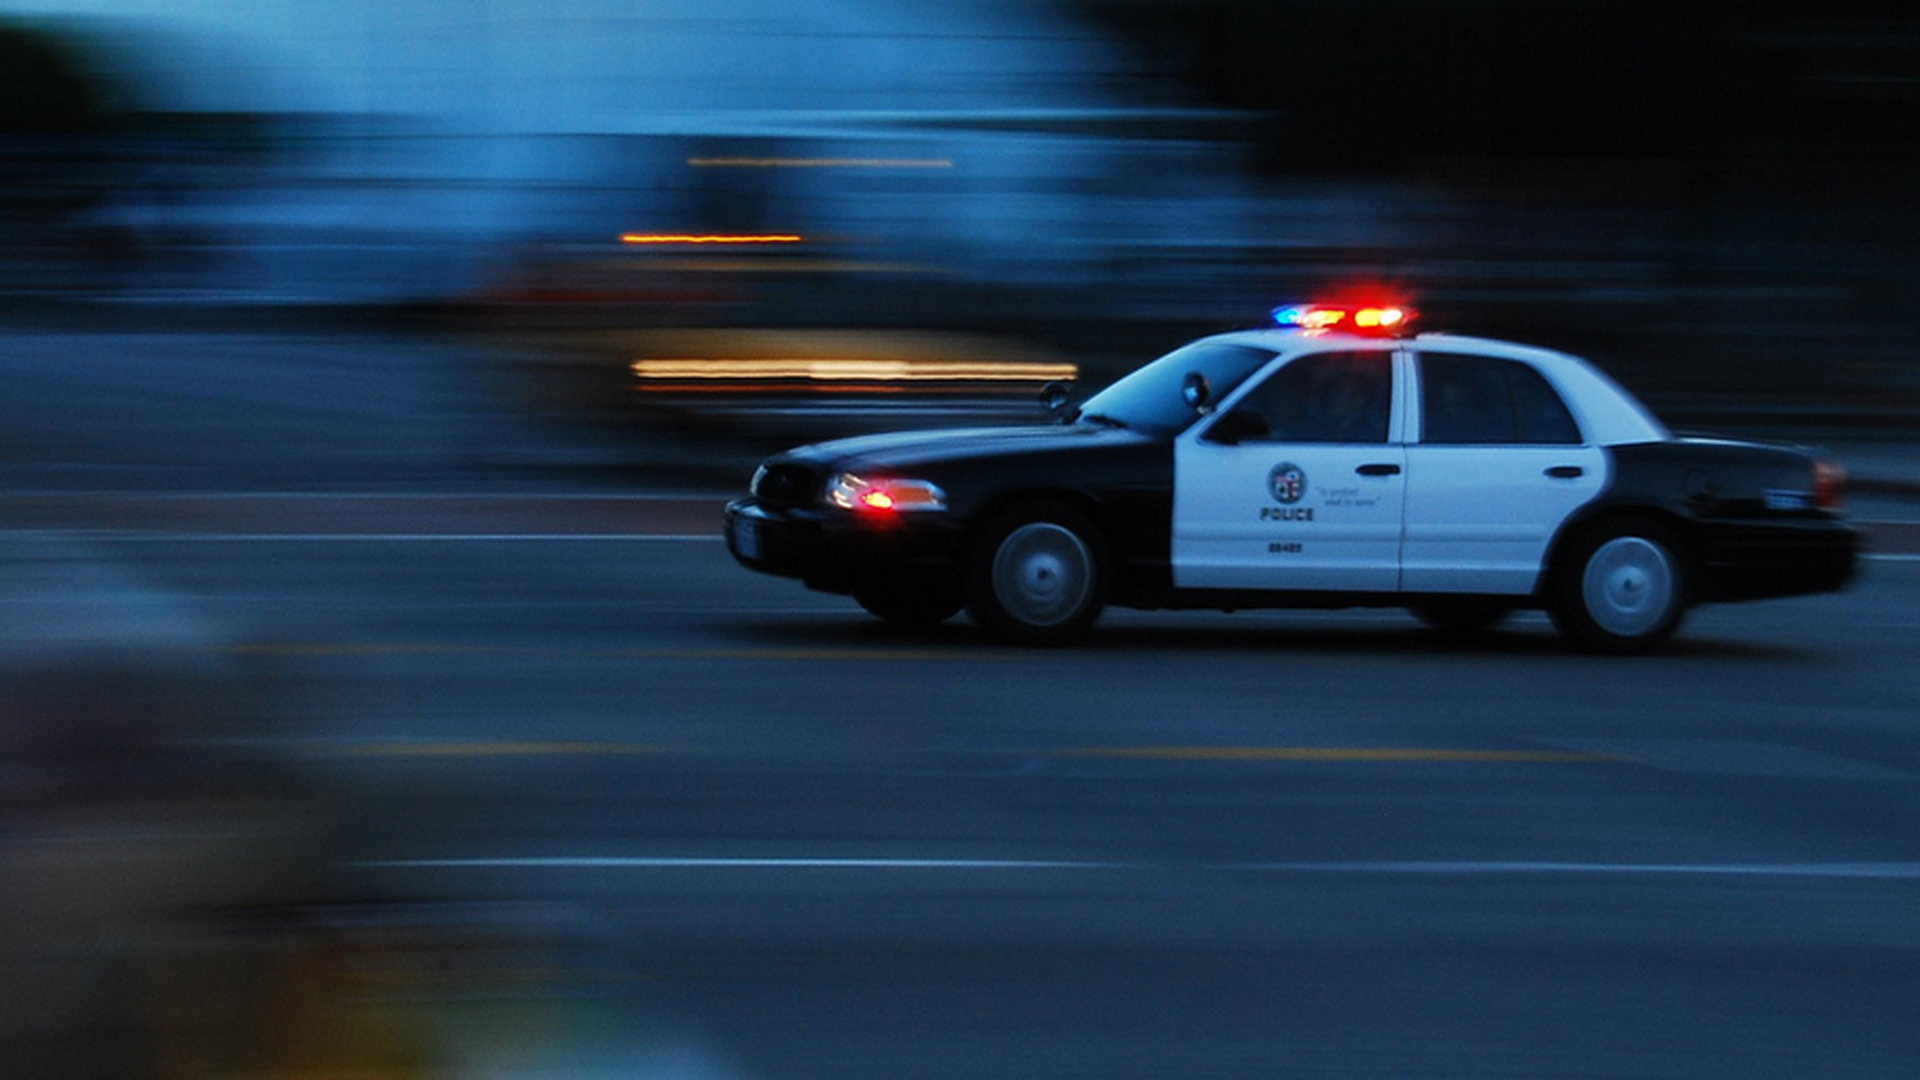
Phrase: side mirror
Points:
(1055, 396)
(1237, 427)
(1195, 390)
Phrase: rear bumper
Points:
(1754, 560)
(837, 551)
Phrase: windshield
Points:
(1150, 400)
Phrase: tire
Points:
(1622, 588)
(1463, 615)
(904, 604)
(1037, 575)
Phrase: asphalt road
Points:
(1320, 844)
(596, 802)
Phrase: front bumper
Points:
(836, 550)
(1753, 560)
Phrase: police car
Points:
(1328, 460)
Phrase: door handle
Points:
(1378, 470)
(1566, 472)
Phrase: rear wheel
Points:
(1622, 589)
(1037, 575)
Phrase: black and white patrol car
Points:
(1327, 461)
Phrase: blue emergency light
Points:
(1381, 319)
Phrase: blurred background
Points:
(297, 297)
(1718, 205)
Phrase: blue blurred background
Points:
(1718, 203)
(371, 372)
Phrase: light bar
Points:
(1359, 319)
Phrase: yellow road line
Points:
(472, 748)
(485, 748)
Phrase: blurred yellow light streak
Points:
(709, 238)
(818, 163)
(850, 370)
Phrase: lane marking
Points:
(1888, 871)
(428, 649)
(149, 537)
(1857, 871)
(157, 537)
(688, 863)
(1738, 760)
(1331, 753)
(134, 495)
(476, 748)
(403, 747)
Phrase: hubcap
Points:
(1042, 574)
(1629, 586)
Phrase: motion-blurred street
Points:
(520, 733)
(378, 698)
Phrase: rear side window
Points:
(1482, 399)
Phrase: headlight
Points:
(886, 494)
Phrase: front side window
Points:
(1151, 400)
(1342, 397)
(1472, 400)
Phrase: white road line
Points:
(669, 863)
(1867, 871)
(464, 538)
(368, 538)
(1886, 871)
(368, 496)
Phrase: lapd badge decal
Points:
(1287, 482)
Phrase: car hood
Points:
(919, 449)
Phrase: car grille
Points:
(786, 484)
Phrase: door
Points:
(1497, 465)
(1298, 483)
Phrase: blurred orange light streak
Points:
(818, 163)
(710, 238)
(837, 370)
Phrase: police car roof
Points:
(1608, 414)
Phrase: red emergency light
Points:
(1384, 320)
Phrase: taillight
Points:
(1829, 484)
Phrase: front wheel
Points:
(1623, 589)
(1037, 575)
